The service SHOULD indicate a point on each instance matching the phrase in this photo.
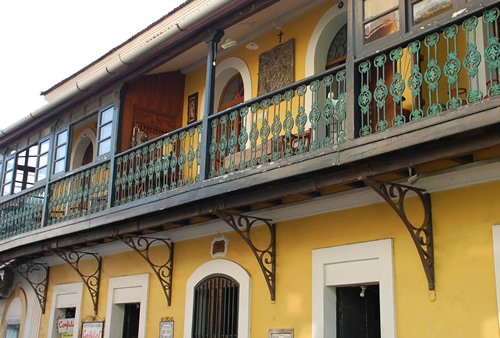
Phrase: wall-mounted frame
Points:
(92, 329)
(281, 333)
(166, 328)
(192, 107)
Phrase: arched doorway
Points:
(233, 93)
(83, 150)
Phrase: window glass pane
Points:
(372, 8)
(107, 115)
(62, 137)
(9, 165)
(105, 132)
(104, 147)
(60, 153)
(42, 162)
(30, 179)
(44, 147)
(42, 174)
(426, 9)
(382, 26)
(12, 331)
(59, 166)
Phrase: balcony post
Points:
(352, 116)
(208, 108)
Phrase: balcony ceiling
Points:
(243, 32)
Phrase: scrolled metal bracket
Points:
(37, 275)
(395, 194)
(266, 257)
(163, 271)
(92, 280)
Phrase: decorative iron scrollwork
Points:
(92, 279)
(266, 257)
(37, 275)
(395, 195)
(163, 271)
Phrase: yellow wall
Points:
(464, 304)
(299, 29)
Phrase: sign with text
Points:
(65, 325)
(92, 329)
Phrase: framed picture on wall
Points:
(192, 107)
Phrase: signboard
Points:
(166, 329)
(281, 333)
(65, 325)
(92, 329)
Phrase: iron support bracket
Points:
(266, 257)
(395, 195)
(37, 275)
(92, 279)
(164, 270)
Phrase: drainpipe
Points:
(208, 109)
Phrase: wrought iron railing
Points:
(294, 120)
(78, 194)
(444, 70)
(22, 213)
(163, 164)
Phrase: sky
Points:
(44, 42)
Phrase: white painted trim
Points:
(127, 289)
(337, 266)
(80, 146)
(496, 258)
(221, 266)
(63, 296)
(322, 36)
(223, 72)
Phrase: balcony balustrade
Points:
(442, 70)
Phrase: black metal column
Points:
(208, 108)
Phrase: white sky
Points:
(43, 42)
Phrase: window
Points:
(380, 19)
(12, 331)
(66, 305)
(105, 131)
(43, 160)
(61, 151)
(7, 181)
(353, 291)
(26, 167)
(226, 284)
(423, 10)
(215, 309)
(127, 307)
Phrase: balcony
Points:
(430, 83)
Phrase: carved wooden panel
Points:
(276, 67)
(153, 103)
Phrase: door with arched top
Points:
(229, 128)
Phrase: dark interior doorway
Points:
(358, 312)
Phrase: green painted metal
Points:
(423, 81)
(82, 193)
(156, 167)
(22, 213)
(492, 51)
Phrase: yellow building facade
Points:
(359, 198)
